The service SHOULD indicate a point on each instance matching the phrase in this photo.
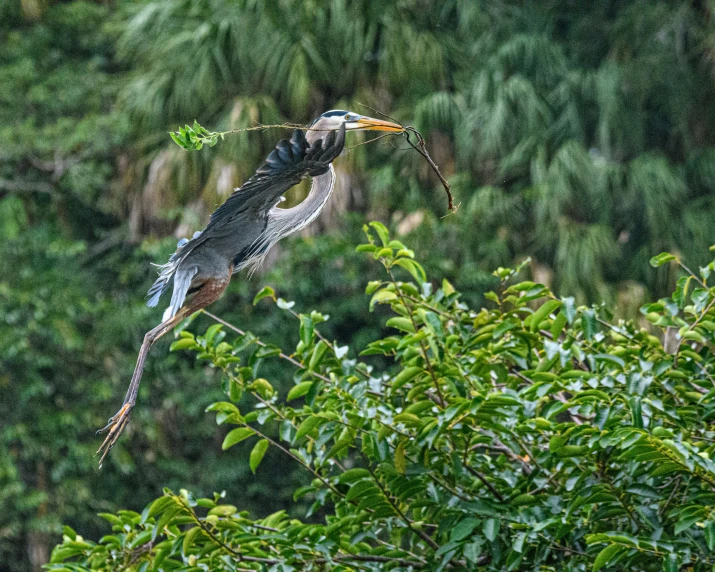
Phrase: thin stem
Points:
(296, 458)
(262, 344)
(422, 345)
(485, 482)
(325, 341)
(697, 278)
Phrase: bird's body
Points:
(243, 229)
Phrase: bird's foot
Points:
(114, 427)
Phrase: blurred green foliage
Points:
(533, 434)
(580, 134)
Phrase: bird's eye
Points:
(347, 116)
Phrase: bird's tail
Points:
(182, 283)
(162, 283)
(167, 272)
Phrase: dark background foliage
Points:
(578, 133)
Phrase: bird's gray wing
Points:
(290, 162)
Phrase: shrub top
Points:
(531, 434)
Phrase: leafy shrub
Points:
(531, 434)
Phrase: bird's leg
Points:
(209, 293)
(119, 420)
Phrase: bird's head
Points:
(334, 118)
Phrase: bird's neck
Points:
(300, 216)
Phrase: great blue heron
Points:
(243, 229)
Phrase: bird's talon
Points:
(107, 426)
(115, 427)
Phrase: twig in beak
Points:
(422, 150)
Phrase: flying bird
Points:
(243, 229)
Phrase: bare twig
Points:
(421, 148)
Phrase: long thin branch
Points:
(485, 482)
(262, 344)
(297, 459)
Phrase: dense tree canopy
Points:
(580, 134)
(530, 434)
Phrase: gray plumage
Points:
(243, 229)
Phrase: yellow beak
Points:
(370, 124)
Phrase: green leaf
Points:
(352, 475)
(662, 258)
(189, 539)
(491, 528)
(400, 323)
(360, 489)
(463, 529)
(569, 308)
(160, 505)
(317, 355)
(643, 491)
(588, 324)
(307, 425)
(558, 324)
(223, 510)
(184, 344)
(670, 563)
(414, 268)
(381, 231)
(236, 436)
(257, 453)
(263, 387)
(434, 323)
(299, 390)
(211, 332)
(666, 468)
(405, 376)
(544, 310)
(447, 287)
(306, 330)
(681, 290)
(524, 500)
(372, 286)
(409, 418)
(177, 140)
(225, 406)
(400, 464)
(266, 292)
(381, 296)
(606, 555)
(709, 533)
